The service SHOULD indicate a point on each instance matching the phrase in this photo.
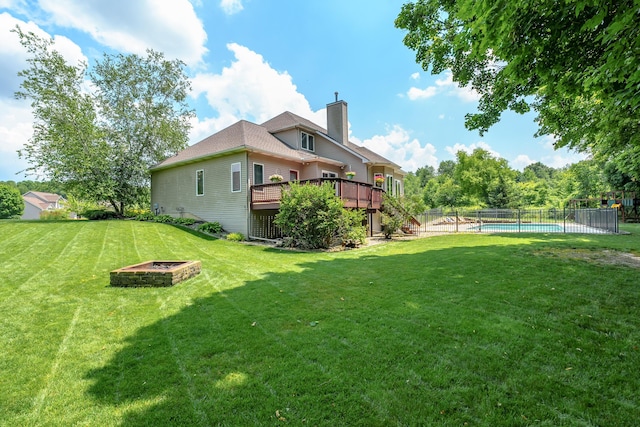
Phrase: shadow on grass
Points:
(459, 335)
(195, 233)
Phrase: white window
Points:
(200, 183)
(258, 174)
(235, 177)
(307, 142)
(327, 174)
(398, 189)
(389, 188)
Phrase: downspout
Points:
(248, 205)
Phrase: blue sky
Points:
(253, 59)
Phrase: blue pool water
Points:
(527, 227)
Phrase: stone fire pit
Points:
(155, 273)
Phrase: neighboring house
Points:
(225, 177)
(35, 202)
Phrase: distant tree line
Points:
(42, 186)
(481, 180)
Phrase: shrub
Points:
(310, 215)
(352, 232)
(148, 216)
(184, 221)
(210, 227)
(11, 202)
(235, 237)
(99, 214)
(164, 219)
(58, 214)
(135, 212)
(394, 215)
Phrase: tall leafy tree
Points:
(483, 177)
(98, 132)
(11, 202)
(575, 63)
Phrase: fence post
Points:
(456, 221)
(564, 219)
(519, 220)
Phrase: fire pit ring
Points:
(155, 273)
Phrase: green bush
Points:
(184, 221)
(11, 202)
(235, 237)
(99, 214)
(135, 212)
(148, 216)
(164, 219)
(311, 216)
(352, 232)
(56, 215)
(211, 227)
(394, 215)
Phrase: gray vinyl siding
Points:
(272, 166)
(328, 149)
(290, 137)
(175, 188)
(31, 212)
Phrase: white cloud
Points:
(249, 89)
(446, 86)
(415, 76)
(398, 147)
(441, 116)
(13, 57)
(470, 148)
(231, 6)
(11, 4)
(15, 130)
(414, 93)
(16, 121)
(558, 158)
(522, 161)
(171, 27)
(562, 158)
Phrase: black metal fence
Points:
(519, 221)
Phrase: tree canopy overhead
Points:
(98, 132)
(575, 63)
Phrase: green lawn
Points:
(452, 330)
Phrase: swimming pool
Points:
(522, 227)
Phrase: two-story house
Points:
(225, 177)
(36, 202)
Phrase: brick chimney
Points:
(337, 121)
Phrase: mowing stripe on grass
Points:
(62, 349)
(11, 255)
(188, 383)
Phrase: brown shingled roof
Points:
(240, 136)
(42, 200)
(288, 120)
(247, 136)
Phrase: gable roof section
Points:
(45, 197)
(241, 136)
(288, 120)
(41, 200)
(247, 136)
(373, 156)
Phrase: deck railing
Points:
(354, 194)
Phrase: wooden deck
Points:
(354, 194)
